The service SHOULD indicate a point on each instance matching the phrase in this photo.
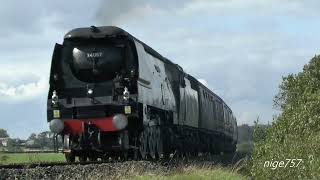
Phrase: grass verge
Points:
(194, 173)
(9, 158)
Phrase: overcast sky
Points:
(239, 48)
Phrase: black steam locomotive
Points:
(111, 95)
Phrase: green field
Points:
(8, 158)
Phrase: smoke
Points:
(122, 11)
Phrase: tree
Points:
(295, 133)
(33, 141)
(14, 145)
(260, 131)
(45, 139)
(33, 136)
(3, 133)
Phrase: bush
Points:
(295, 133)
(3, 157)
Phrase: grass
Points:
(9, 158)
(195, 173)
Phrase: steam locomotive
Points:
(112, 95)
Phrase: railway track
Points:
(219, 159)
(46, 164)
(105, 170)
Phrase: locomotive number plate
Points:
(56, 114)
(127, 109)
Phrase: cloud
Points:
(22, 86)
(28, 38)
(22, 91)
(247, 118)
(250, 7)
(239, 49)
(17, 19)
